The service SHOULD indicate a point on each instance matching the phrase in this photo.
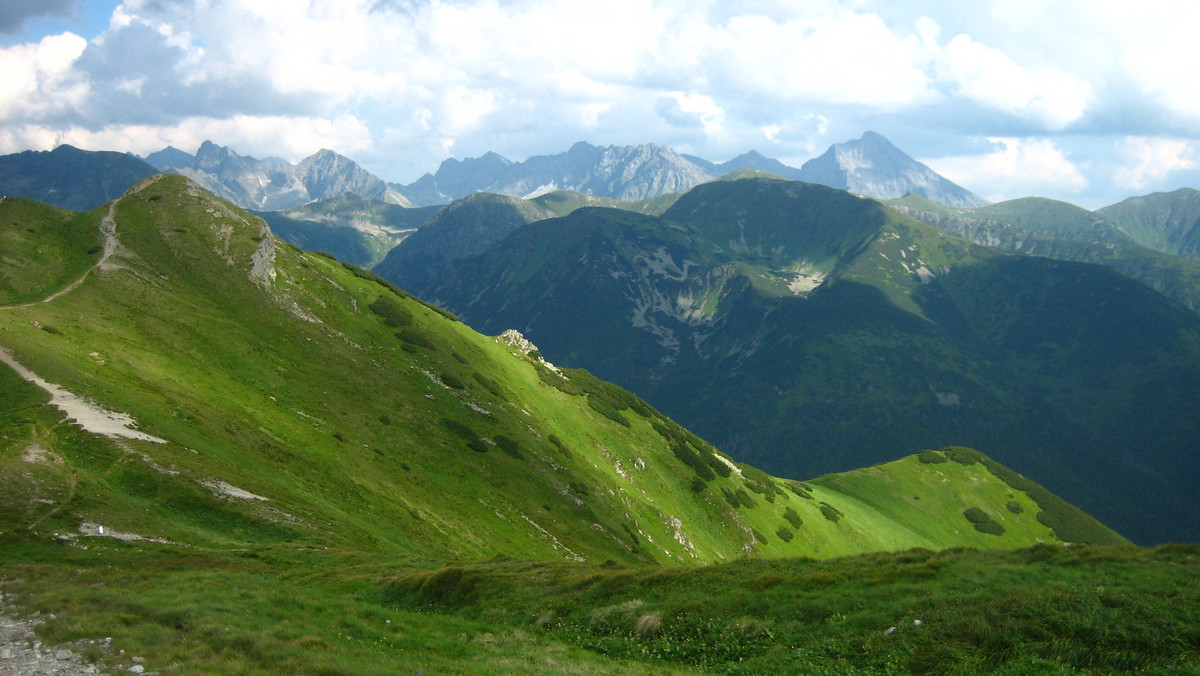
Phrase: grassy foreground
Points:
(1046, 609)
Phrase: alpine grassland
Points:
(226, 455)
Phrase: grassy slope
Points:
(298, 392)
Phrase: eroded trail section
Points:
(92, 417)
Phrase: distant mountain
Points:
(170, 157)
(807, 330)
(70, 178)
(272, 185)
(354, 228)
(620, 172)
(463, 229)
(749, 160)
(1044, 227)
(1167, 222)
(327, 174)
(872, 166)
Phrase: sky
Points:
(1087, 101)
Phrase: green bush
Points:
(509, 446)
(393, 313)
(784, 534)
(792, 517)
(759, 536)
(800, 490)
(982, 521)
(458, 428)
(488, 384)
(414, 337)
(931, 457)
(690, 457)
(1015, 507)
(604, 408)
(830, 512)
(450, 380)
(963, 455)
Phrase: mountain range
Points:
(870, 165)
(804, 329)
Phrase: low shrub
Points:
(982, 521)
(1014, 507)
(931, 457)
(450, 380)
(792, 517)
(488, 384)
(784, 534)
(830, 512)
(458, 428)
(414, 337)
(509, 446)
(393, 313)
(692, 459)
(604, 408)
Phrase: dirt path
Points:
(108, 227)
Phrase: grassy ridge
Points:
(366, 419)
(1046, 609)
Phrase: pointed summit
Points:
(874, 167)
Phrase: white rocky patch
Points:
(228, 490)
(88, 415)
(803, 283)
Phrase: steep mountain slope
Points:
(1168, 222)
(253, 395)
(872, 166)
(1063, 231)
(806, 330)
(355, 229)
(70, 178)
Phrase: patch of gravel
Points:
(23, 654)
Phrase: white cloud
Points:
(1015, 167)
(38, 81)
(422, 78)
(692, 110)
(289, 137)
(1150, 160)
(994, 79)
(841, 57)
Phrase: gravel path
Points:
(23, 654)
